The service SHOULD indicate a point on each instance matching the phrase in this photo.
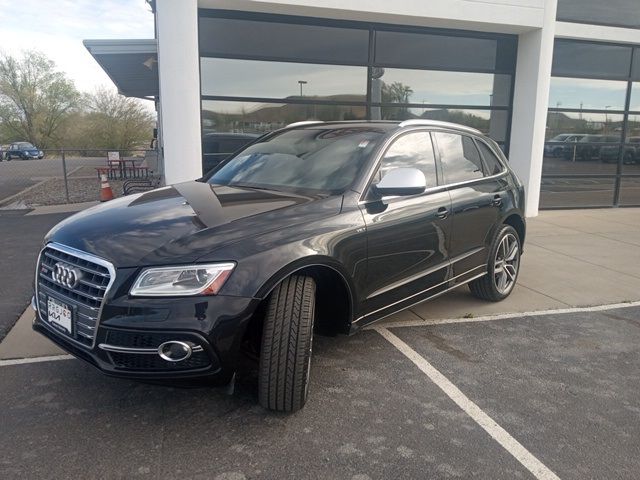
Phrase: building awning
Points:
(132, 65)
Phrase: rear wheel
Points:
(503, 266)
(287, 339)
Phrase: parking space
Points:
(453, 388)
(565, 386)
(370, 414)
(562, 390)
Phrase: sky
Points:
(57, 28)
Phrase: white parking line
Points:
(499, 434)
(501, 316)
(22, 361)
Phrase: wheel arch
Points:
(335, 295)
(516, 220)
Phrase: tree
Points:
(35, 98)
(113, 121)
(399, 93)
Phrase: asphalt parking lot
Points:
(555, 394)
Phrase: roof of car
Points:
(383, 124)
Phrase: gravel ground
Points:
(51, 192)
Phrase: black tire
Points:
(287, 340)
(485, 287)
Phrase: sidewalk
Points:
(572, 258)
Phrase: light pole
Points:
(302, 82)
(606, 118)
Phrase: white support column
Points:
(179, 75)
(530, 102)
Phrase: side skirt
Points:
(372, 317)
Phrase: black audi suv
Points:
(325, 225)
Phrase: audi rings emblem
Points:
(66, 275)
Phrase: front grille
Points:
(85, 299)
(140, 339)
(132, 361)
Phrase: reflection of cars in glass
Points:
(218, 146)
(23, 151)
(338, 224)
(556, 146)
(588, 147)
(631, 152)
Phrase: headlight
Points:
(182, 281)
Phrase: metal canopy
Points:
(132, 65)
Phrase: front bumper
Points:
(131, 330)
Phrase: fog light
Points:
(174, 351)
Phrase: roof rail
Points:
(437, 123)
(306, 122)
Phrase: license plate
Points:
(59, 314)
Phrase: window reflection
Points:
(459, 157)
(248, 117)
(634, 105)
(580, 124)
(580, 143)
(413, 150)
(285, 41)
(623, 13)
(593, 60)
(490, 122)
(576, 192)
(281, 80)
(403, 49)
(587, 94)
(391, 85)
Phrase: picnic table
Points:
(122, 169)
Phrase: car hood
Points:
(183, 222)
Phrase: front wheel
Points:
(287, 339)
(503, 267)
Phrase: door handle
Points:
(442, 213)
(497, 201)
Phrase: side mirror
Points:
(402, 181)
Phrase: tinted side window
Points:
(460, 158)
(413, 150)
(491, 162)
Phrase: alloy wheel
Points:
(506, 263)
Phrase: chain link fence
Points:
(71, 175)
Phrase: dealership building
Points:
(555, 82)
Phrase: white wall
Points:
(179, 75)
(506, 16)
(530, 102)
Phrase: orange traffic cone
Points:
(106, 193)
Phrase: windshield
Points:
(321, 160)
(25, 145)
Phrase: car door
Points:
(407, 236)
(478, 194)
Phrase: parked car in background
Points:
(334, 224)
(218, 146)
(23, 151)
(630, 155)
(556, 146)
(588, 147)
